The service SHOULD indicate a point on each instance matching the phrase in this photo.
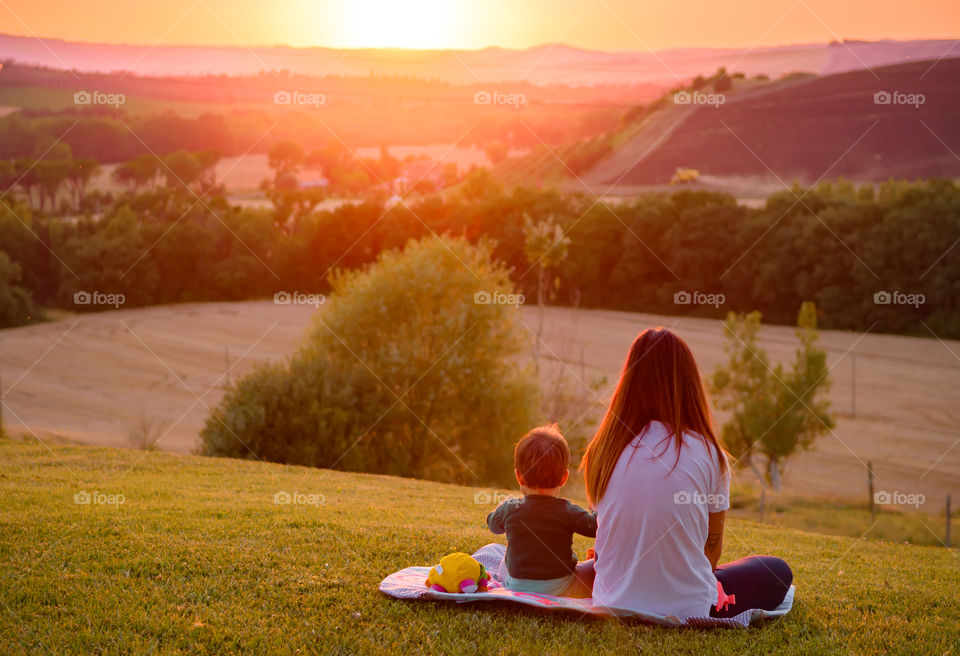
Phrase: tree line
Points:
(870, 257)
(98, 134)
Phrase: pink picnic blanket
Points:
(408, 584)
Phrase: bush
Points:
(775, 412)
(403, 373)
(16, 306)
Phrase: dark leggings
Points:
(755, 581)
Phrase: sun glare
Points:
(395, 24)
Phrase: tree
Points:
(545, 246)
(123, 175)
(285, 158)
(387, 167)
(450, 174)
(722, 81)
(16, 306)
(26, 176)
(406, 372)
(8, 175)
(323, 160)
(775, 412)
(141, 171)
(116, 259)
(479, 184)
(497, 152)
(208, 160)
(291, 204)
(50, 177)
(146, 169)
(181, 169)
(79, 174)
(49, 149)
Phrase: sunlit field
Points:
(199, 558)
(168, 365)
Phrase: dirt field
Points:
(244, 173)
(95, 378)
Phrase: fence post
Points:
(853, 384)
(948, 522)
(873, 506)
(763, 498)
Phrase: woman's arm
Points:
(714, 545)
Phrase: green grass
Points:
(842, 517)
(199, 559)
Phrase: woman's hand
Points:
(714, 545)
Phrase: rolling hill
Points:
(182, 554)
(96, 378)
(823, 126)
(542, 65)
(765, 135)
(799, 129)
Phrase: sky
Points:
(471, 24)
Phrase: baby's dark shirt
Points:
(540, 532)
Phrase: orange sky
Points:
(598, 24)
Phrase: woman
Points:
(660, 482)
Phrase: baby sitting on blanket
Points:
(540, 526)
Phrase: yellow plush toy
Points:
(458, 572)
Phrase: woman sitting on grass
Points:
(660, 482)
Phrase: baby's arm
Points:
(583, 521)
(496, 519)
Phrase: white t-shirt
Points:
(652, 526)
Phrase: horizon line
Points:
(221, 46)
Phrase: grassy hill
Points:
(198, 558)
(801, 130)
(96, 378)
(766, 134)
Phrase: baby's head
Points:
(541, 460)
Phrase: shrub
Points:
(16, 306)
(775, 412)
(404, 372)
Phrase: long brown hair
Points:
(660, 382)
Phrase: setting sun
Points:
(389, 24)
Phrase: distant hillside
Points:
(216, 92)
(800, 128)
(547, 64)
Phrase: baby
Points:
(540, 526)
